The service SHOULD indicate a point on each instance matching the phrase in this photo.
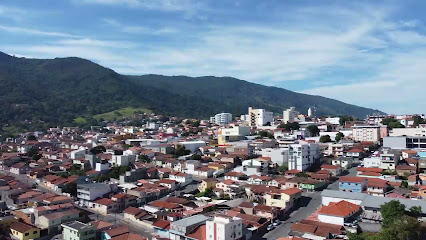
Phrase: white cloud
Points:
(31, 31)
(138, 29)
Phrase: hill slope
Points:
(56, 91)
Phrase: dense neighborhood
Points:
(261, 175)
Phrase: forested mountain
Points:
(50, 92)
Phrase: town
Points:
(255, 176)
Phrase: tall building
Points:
(222, 118)
(370, 133)
(223, 227)
(231, 134)
(259, 117)
(303, 156)
(290, 114)
(310, 114)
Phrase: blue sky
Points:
(369, 53)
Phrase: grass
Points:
(117, 114)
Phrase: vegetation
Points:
(302, 174)
(339, 136)
(206, 193)
(115, 172)
(313, 130)
(325, 139)
(418, 120)
(398, 224)
(196, 157)
(265, 134)
(70, 188)
(97, 150)
(344, 119)
(144, 158)
(37, 93)
(180, 150)
(392, 123)
(281, 169)
(290, 126)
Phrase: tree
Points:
(354, 236)
(70, 188)
(195, 124)
(325, 139)
(339, 136)
(115, 172)
(263, 134)
(196, 157)
(290, 126)
(180, 150)
(144, 158)
(98, 149)
(418, 120)
(329, 128)
(344, 119)
(31, 138)
(415, 211)
(313, 130)
(302, 174)
(404, 184)
(282, 168)
(404, 227)
(391, 211)
(395, 125)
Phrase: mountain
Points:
(49, 92)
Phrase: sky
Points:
(367, 53)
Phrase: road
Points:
(314, 203)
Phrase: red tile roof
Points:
(163, 224)
(341, 209)
(352, 179)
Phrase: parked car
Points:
(276, 223)
(270, 227)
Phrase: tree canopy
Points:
(339, 136)
(313, 130)
(325, 139)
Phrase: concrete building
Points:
(277, 155)
(232, 134)
(221, 118)
(333, 120)
(259, 117)
(398, 132)
(180, 228)
(223, 227)
(78, 231)
(290, 115)
(370, 133)
(87, 193)
(253, 166)
(405, 142)
(193, 146)
(23, 231)
(303, 156)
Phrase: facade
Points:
(337, 213)
(222, 118)
(333, 120)
(283, 199)
(352, 184)
(23, 231)
(405, 142)
(277, 155)
(370, 133)
(259, 117)
(290, 114)
(78, 231)
(232, 134)
(303, 156)
(180, 228)
(87, 193)
(223, 227)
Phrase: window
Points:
(26, 234)
(35, 232)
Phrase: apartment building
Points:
(232, 134)
(87, 193)
(76, 230)
(303, 156)
(290, 115)
(259, 117)
(405, 142)
(223, 227)
(221, 118)
(370, 133)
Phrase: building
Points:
(232, 134)
(405, 142)
(283, 199)
(180, 228)
(259, 117)
(290, 115)
(338, 213)
(87, 193)
(277, 155)
(193, 146)
(222, 118)
(23, 231)
(52, 222)
(370, 133)
(223, 227)
(333, 120)
(78, 231)
(352, 184)
(303, 156)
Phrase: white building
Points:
(277, 155)
(369, 133)
(397, 132)
(310, 112)
(253, 166)
(303, 156)
(290, 114)
(122, 160)
(231, 134)
(80, 153)
(372, 162)
(87, 193)
(222, 118)
(333, 120)
(259, 117)
(193, 146)
(223, 227)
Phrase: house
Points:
(404, 170)
(315, 230)
(105, 206)
(267, 212)
(87, 193)
(170, 184)
(310, 185)
(101, 226)
(229, 188)
(355, 153)
(259, 180)
(23, 231)
(377, 187)
(235, 176)
(208, 183)
(78, 231)
(161, 228)
(224, 227)
(181, 228)
(283, 199)
(352, 184)
(334, 170)
(19, 168)
(52, 222)
(135, 214)
(182, 178)
(338, 213)
(292, 173)
(114, 232)
(408, 153)
(124, 200)
(361, 170)
(343, 162)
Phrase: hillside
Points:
(49, 92)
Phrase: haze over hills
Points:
(56, 91)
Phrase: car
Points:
(270, 227)
(277, 222)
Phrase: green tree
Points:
(302, 174)
(403, 228)
(395, 125)
(325, 139)
(404, 184)
(344, 119)
(264, 134)
(354, 236)
(70, 188)
(391, 211)
(98, 149)
(31, 138)
(339, 136)
(290, 126)
(415, 211)
(282, 168)
(418, 120)
(180, 150)
(196, 157)
(313, 130)
(144, 158)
